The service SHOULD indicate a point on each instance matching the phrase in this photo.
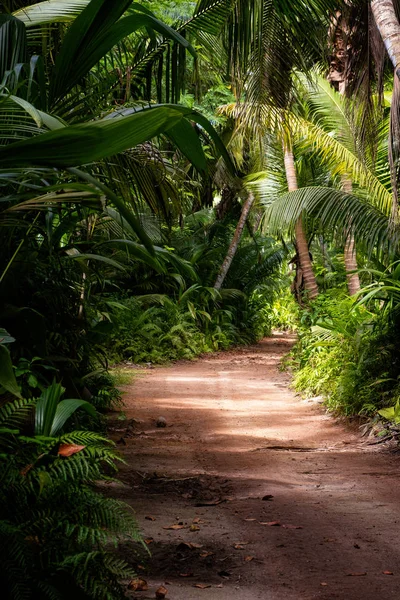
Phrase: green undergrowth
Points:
(348, 354)
(158, 329)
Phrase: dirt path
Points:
(238, 439)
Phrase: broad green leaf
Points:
(81, 144)
(186, 139)
(390, 414)
(65, 409)
(5, 337)
(7, 377)
(192, 116)
(46, 408)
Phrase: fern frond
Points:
(15, 413)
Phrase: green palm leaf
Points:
(50, 11)
(338, 212)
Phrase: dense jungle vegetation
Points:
(178, 178)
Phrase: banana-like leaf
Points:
(7, 377)
(81, 144)
(93, 34)
(186, 139)
(46, 408)
(65, 409)
(178, 137)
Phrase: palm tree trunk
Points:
(235, 242)
(389, 28)
(339, 75)
(310, 284)
(350, 257)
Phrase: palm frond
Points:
(338, 212)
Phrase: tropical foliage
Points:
(176, 178)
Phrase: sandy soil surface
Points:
(269, 498)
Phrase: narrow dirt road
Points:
(250, 493)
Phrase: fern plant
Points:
(55, 526)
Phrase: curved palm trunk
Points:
(389, 28)
(235, 242)
(350, 257)
(310, 283)
(350, 263)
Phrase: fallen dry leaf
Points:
(387, 572)
(161, 592)
(69, 449)
(150, 518)
(323, 583)
(271, 523)
(197, 520)
(148, 540)
(356, 574)
(249, 558)
(174, 527)
(205, 554)
(194, 528)
(193, 545)
(239, 545)
(138, 585)
(202, 586)
(186, 575)
(292, 527)
(249, 519)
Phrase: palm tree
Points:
(306, 275)
(235, 241)
(386, 20)
(363, 212)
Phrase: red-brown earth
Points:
(241, 452)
